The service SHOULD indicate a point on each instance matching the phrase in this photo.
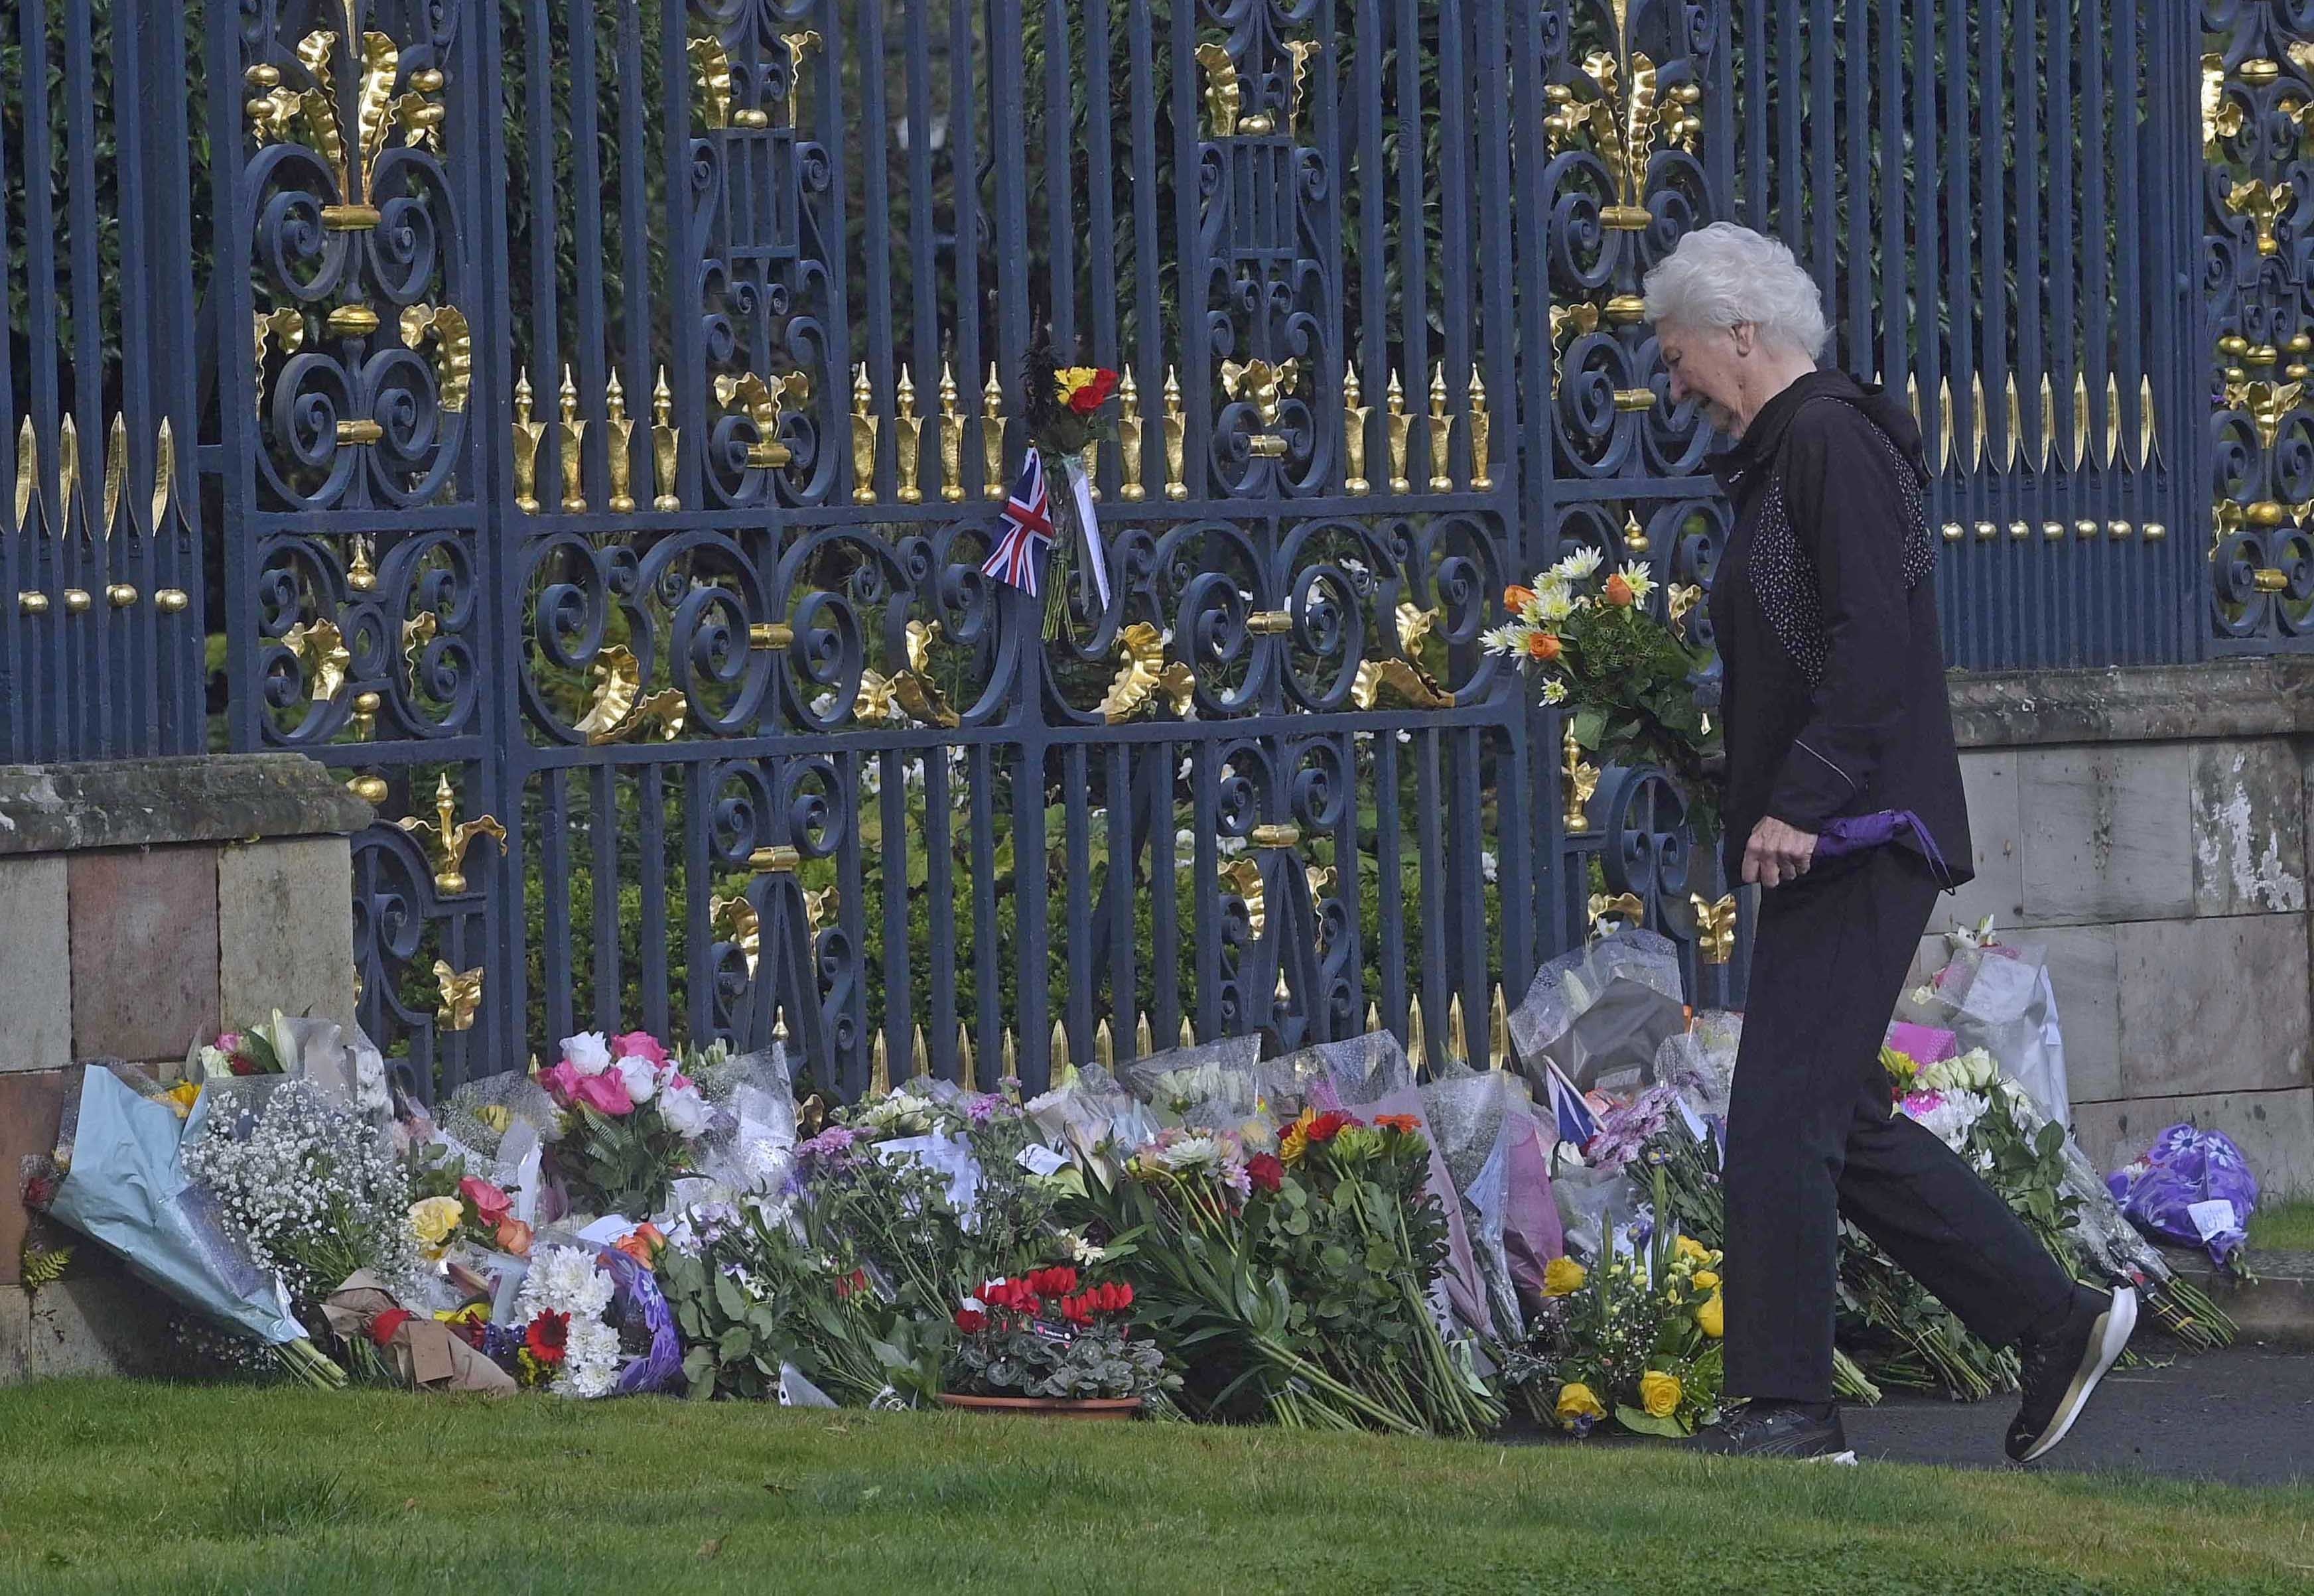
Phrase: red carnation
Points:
(548, 1336)
(847, 1285)
(382, 1327)
(1095, 393)
(1329, 1125)
(1264, 1171)
(971, 1319)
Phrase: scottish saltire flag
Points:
(1577, 1123)
(1025, 531)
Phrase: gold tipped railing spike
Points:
(1128, 439)
(2048, 421)
(667, 439)
(574, 444)
(920, 1056)
(1458, 1039)
(453, 837)
(1401, 427)
(116, 475)
(2112, 430)
(1354, 434)
(1058, 1058)
(1144, 1037)
(1189, 1033)
(165, 474)
(908, 434)
(1417, 1041)
(992, 484)
(1945, 425)
(2149, 441)
(1373, 1019)
(864, 429)
(1177, 438)
(619, 431)
(1442, 435)
(69, 508)
(1482, 479)
(879, 1067)
(2080, 418)
(952, 438)
(2015, 428)
(966, 1070)
(28, 473)
(1499, 1030)
(1010, 1058)
(1104, 1046)
(1982, 418)
(528, 436)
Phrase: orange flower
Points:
(1544, 646)
(514, 1237)
(1405, 1124)
(1618, 591)
(1515, 598)
(641, 1244)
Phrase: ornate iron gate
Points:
(610, 394)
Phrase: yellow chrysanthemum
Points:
(1712, 1316)
(1563, 1277)
(1578, 1401)
(1659, 1394)
(1295, 1142)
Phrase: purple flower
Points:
(834, 1143)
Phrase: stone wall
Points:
(143, 903)
(2151, 829)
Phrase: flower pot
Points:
(1059, 1407)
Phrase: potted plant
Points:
(1048, 1343)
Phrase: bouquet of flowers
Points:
(1626, 679)
(1062, 406)
(633, 1122)
(590, 1321)
(1634, 1338)
(1050, 1333)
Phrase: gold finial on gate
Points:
(908, 434)
(1482, 479)
(462, 995)
(667, 439)
(1225, 95)
(1128, 439)
(621, 432)
(1177, 434)
(1582, 780)
(574, 444)
(1354, 434)
(864, 427)
(992, 484)
(1401, 427)
(1442, 435)
(1714, 928)
(952, 437)
(452, 837)
(528, 436)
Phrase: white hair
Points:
(1726, 276)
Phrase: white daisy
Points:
(1635, 572)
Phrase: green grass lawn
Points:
(119, 1486)
(2286, 1227)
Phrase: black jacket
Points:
(1824, 610)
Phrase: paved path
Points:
(2245, 1416)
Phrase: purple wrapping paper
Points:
(2186, 1166)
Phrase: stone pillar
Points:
(145, 905)
(2150, 828)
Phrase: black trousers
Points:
(1811, 1137)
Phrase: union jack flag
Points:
(1025, 531)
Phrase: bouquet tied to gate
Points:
(1626, 676)
(1064, 407)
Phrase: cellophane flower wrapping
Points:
(1495, 1152)
(1600, 1013)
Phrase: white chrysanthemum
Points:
(565, 1280)
(1635, 573)
(1580, 565)
(1555, 604)
(1505, 640)
(1554, 693)
(1950, 1119)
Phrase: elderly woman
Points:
(1838, 730)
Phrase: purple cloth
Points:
(1853, 833)
(2184, 1167)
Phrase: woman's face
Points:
(1707, 364)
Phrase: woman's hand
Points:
(1777, 853)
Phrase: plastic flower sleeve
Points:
(2000, 997)
(1495, 1150)
(127, 1189)
(1601, 1012)
(2194, 1187)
